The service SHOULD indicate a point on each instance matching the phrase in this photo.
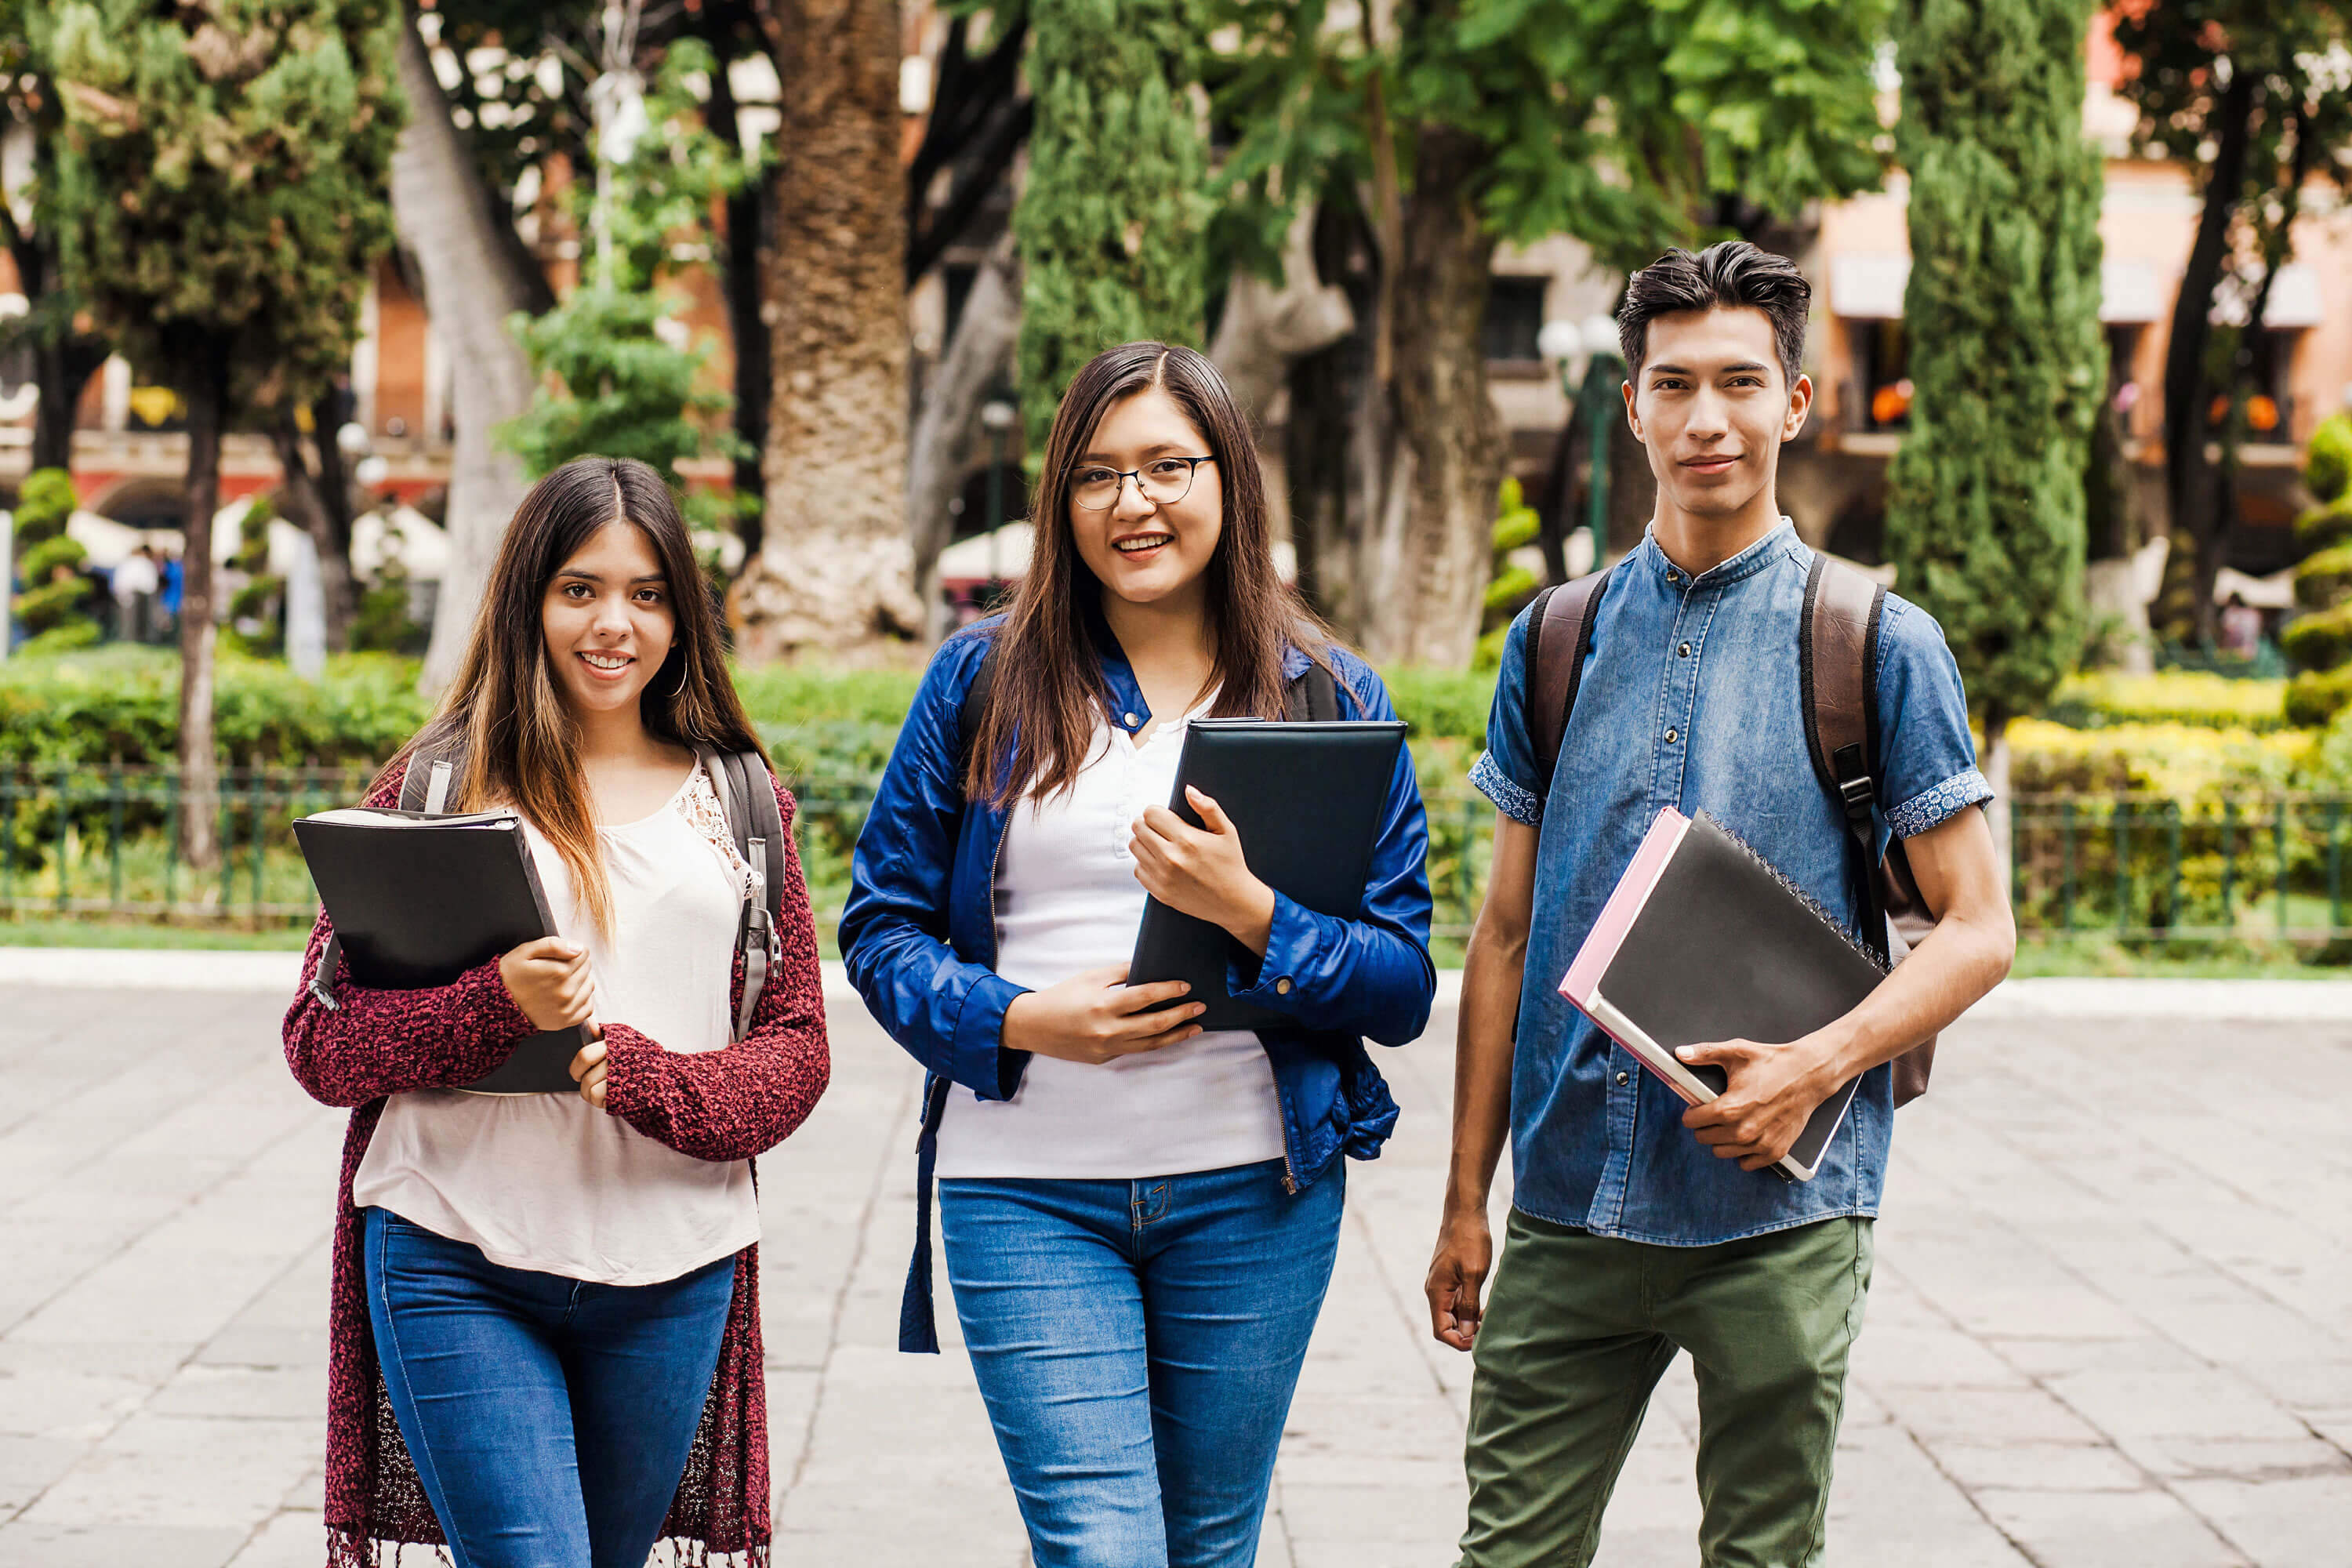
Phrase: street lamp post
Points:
(1595, 397)
(996, 417)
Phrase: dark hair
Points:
(1046, 686)
(522, 743)
(1731, 273)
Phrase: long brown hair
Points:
(522, 743)
(1047, 688)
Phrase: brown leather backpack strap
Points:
(1838, 657)
(1838, 654)
(1559, 636)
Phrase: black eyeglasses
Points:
(1163, 482)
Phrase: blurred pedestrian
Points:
(554, 1297)
(136, 584)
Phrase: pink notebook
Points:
(1703, 941)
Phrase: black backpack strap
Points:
(1312, 699)
(975, 703)
(1559, 636)
(1837, 662)
(425, 784)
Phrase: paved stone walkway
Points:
(2109, 1326)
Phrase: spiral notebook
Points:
(1704, 941)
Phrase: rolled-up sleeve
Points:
(1928, 771)
(1505, 772)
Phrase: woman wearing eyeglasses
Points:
(1139, 1216)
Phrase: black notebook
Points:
(1704, 940)
(416, 900)
(1305, 799)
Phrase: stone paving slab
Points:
(2107, 1332)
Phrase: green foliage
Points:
(223, 178)
(1111, 223)
(2316, 697)
(2324, 525)
(625, 392)
(37, 562)
(1631, 124)
(2105, 698)
(120, 702)
(44, 504)
(1985, 510)
(2323, 577)
(1508, 587)
(2320, 640)
(2327, 463)
(613, 384)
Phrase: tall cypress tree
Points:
(1985, 518)
(1111, 225)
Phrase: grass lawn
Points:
(128, 933)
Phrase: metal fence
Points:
(83, 841)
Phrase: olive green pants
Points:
(1578, 1331)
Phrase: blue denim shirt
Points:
(919, 940)
(1691, 699)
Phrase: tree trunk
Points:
(2188, 477)
(1331, 397)
(836, 569)
(207, 389)
(747, 237)
(473, 282)
(977, 357)
(1266, 327)
(1445, 419)
(320, 504)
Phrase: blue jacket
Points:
(919, 938)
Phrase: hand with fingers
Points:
(548, 980)
(1457, 1278)
(1096, 1017)
(588, 1068)
(1200, 871)
(1768, 1093)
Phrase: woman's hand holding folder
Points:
(1200, 871)
(548, 980)
(1096, 1017)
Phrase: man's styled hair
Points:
(1732, 273)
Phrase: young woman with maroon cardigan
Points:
(545, 1330)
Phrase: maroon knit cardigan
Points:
(727, 1104)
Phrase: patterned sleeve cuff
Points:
(1933, 807)
(1520, 805)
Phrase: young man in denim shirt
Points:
(1638, 1225)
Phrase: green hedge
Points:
(121, 703)
(118, 703)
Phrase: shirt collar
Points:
(1747, 562)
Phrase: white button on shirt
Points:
(1066, 901)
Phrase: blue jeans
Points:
(550, 1418)
(1136, 1343)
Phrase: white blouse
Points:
(547, 1182)
(1067, 900)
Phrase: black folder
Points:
(416, 900)
(1305, 799)
(1704, 941)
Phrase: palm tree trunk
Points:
(836, 569)
(473, 281)
(977, 358)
